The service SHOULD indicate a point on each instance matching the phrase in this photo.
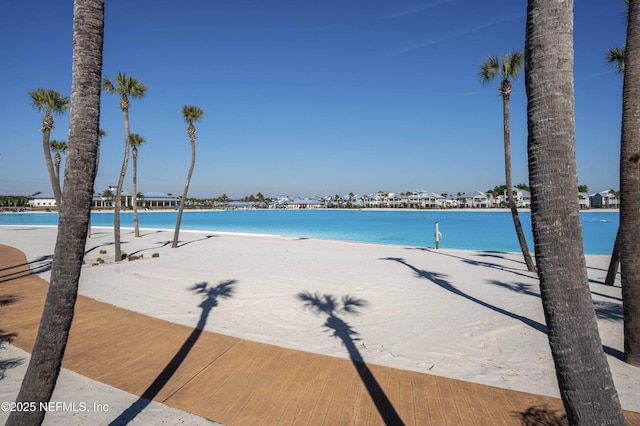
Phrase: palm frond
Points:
(58, 146)
(38, 98)
(615, 57)
(512, 64)
(489, 69)
(125, 86)
(49, 101)
(136, 140)
(192, 114)
(108, 86)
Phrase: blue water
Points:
(465, 229)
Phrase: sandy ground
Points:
(468, 315)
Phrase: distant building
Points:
(159, 199)
(605, 199)
(305, 204)
(148, 200)
(584, 200)
(522, 197)
(476, 199)
(421, 199)
(42, 201)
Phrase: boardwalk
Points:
(239, 382)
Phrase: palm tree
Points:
(46, 358)
(59, 147)
(135, 140)
(127, 87)
(191, 114)
(629, 230)
(627, 236)
(582, 370)
(108, 194)
(508, 67)
(49, 102)
(615, 56)
(101, 134)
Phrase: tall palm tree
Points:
(49, 102)
(582, 370)
(615, 57)
(135, 140)
(127, 87)
(57, 315)
(629, 229)
(508, 67)
(59, 147)
(101, 134)
(191, 114)
(629, 235)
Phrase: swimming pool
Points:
(490, 230)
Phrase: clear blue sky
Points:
(306, 97)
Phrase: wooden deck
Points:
(239, 382)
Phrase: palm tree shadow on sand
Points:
(542, 416)
(439, 280)
(211, 295)
(327, 304)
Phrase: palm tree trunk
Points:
(97, 163)
(55, 184)
(123, 171)
(507, 171)
(630, 189)
(46, 359)
(582, 370)
(614, 263)
(184, 194)
(57, 160)
(135, 196)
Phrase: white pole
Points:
(438, 236)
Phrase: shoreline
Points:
(261, 235)
(465, 230)
(382, 209)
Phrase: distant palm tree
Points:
(191, 114)
(59, 147)
(49, 102)
(107, 194)
(135, 140)
(101, 134)
(57, 315)
(508, 67)
(127, 87)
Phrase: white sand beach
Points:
(469, 315)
